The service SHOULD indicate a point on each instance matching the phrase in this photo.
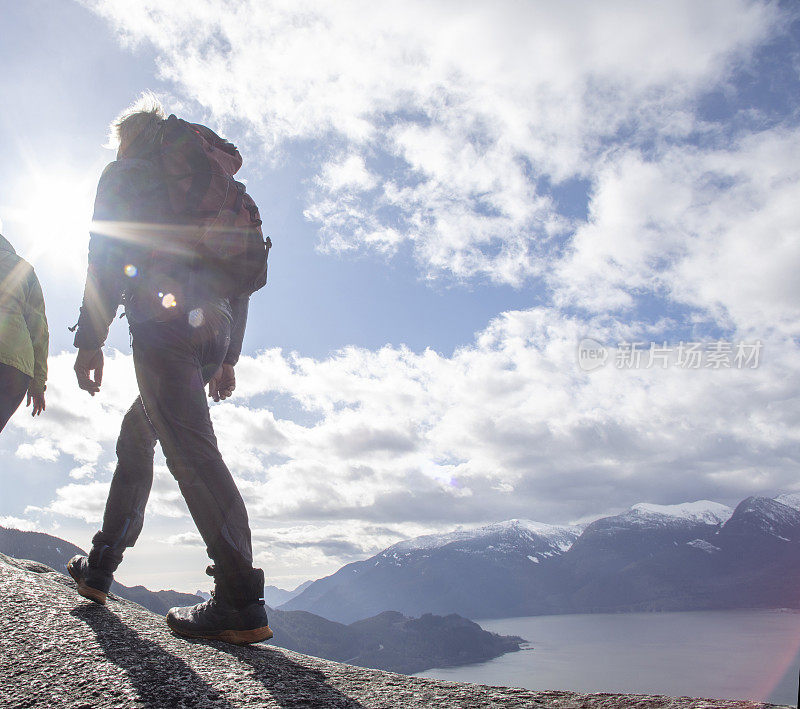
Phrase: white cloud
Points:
(24, 525)
(746, 253)
(81, 472)
(80, 425)
(713, 229)
(83, 501)
(86, 500)
(165, 497)
(470, 103)
(350, 172)
(40, 448)
(185, 539)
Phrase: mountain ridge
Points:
(55, 552)
(274, 596)
(689, 556)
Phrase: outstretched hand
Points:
(86, 362)
(222, 383)
(38, 402)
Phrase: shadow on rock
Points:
(160, 678)
(289, 683)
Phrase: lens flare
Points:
(196, 317)
(131, 271)
(168, 300)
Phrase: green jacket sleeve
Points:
(36, 321)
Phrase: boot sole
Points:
(234, 637)
(92, 594)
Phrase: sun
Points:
(49, 215)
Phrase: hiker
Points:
(23, 335)
(186, 329)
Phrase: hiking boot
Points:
(234, 613)
(92, 583)
(216, 620)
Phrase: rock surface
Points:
(58, 650)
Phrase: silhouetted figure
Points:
(186, 330)
(23, 335)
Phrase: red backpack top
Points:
(198, 167)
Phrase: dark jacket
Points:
(134, 258)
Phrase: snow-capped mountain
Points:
(700, 512)
(764, 516)
(751, 560)
(651, 557)
(549, 539)
(611, 544)
(790, 499)
(496, 568)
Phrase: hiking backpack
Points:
(224, 224)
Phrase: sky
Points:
(531, 260)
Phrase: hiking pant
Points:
(173, 362)
(13, 387)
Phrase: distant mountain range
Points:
(699, 555)
(495, 571)
(274, 596)
(389, 641)
(55, 553)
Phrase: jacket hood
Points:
(5, 245)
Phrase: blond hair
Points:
(141, 120)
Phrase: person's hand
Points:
(222, 383)
(37, 398)
(86, 362)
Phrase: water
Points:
(711, 654)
